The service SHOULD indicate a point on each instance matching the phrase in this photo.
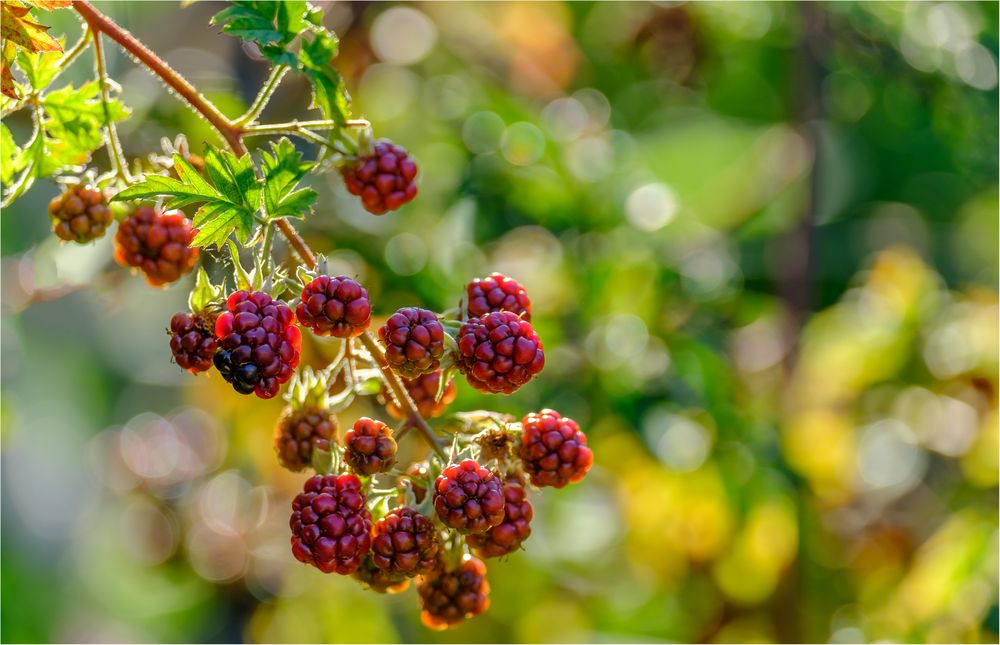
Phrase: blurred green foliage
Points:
(761, 241)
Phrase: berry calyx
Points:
(192, 341)
(331, 528)
(449, 597)
(369, 447)
(423, 390)
(507, 536)
(379, 580)
(156, 243)
(414, 341)
(405, 542)
(334, 307)
(499, 352)
(300, 432)
(497, 292)
(553, 450)
(468, 497)
(80, 214)
(383, 179)
(259, 343)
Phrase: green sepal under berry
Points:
(229, 197)
(309, 389)
(204, 293)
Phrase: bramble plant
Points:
(363, 514)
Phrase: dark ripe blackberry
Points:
(299, 432)
(497, 292)
(553, 450)
(499, 352)
(423, 390)
(334, 307)
(156, 243)
(384, 180)
(507, 536)
(369, 447)
(192, 341)
(449, 597)
(258, 343)
(331, 527)
(413, 340)
(405, 542)
(468, 497)
(379, 580)
(80, 214)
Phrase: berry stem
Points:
(266, 92)
(114, 143)
(297, 126)
(400, 394)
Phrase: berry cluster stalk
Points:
(233, 132)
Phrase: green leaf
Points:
(74, 125)
(9, 155)
(329, 93)
(282, 172)
(271, 25)
(39, 68)
(229, 198)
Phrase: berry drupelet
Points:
(192, 341)
(405, 542)
(258, 343)
(369, 447)
(507, 536)
(335, 307)
(553, 450)
(449, 597)
(423, 390)
(299, 432)
(414, 341)
(497, 292)
(499, 352)
(384, 179)
(331, 527)
(379, 580)
(156, 243)
(80, 214)
(468, 497)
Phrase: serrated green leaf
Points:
(228, 201)
(40, 68)
(329, 92)
(282, 172)
(271, 25)
(74, 125)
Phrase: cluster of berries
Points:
(472, 513)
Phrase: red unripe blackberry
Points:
(379, 580)
(499, 352)
(497, 292)
(299, 432)
(384, 179)
(156, 243)
(405, 542)
(553, 450)
(423, 390)
(80, 214)
(369, 447)
(335, 307)
(414, 341)
(449, 597)
(258, 343)
(468, 497)
(507, 536)
(192, 341)
(331, 528)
